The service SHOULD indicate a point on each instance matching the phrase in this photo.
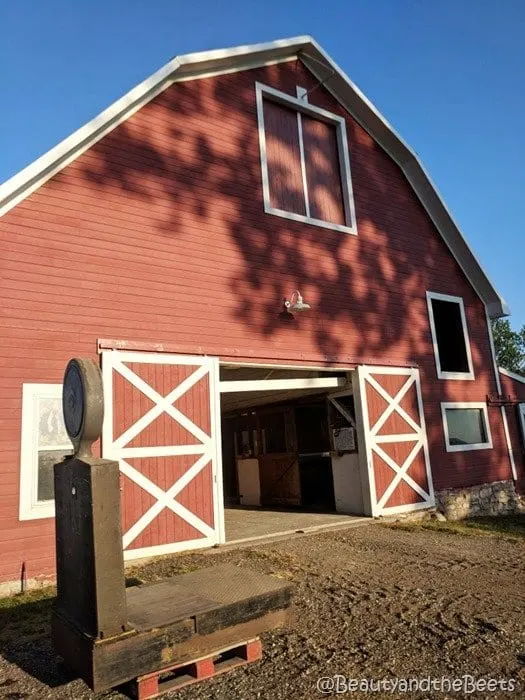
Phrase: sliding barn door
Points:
(395, 439)
(162, 424)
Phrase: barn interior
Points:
(289, 450)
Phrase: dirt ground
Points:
(370, 603)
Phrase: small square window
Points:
(44, 443)
(466, 426)
(305, 162)
(448, 326)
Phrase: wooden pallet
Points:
(154, 684)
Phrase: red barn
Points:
(285, 313)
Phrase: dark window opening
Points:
(450, 336)
(274, 436)
(312, 428)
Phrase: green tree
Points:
(509, 346)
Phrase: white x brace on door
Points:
(395, 439)
(162, 424)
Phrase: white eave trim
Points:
(198, 65)
(512, 375)
(179, 68)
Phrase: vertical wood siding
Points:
(283, 158)
(323, 173)
(158, 234)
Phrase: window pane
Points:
(323, 173)
(450, 336)
(466, 426)
(51, 428)
(52, 443)
(46, 460)
(283, 157)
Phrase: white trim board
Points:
(335, 81)
(512, 375)
(171, 548)
(291, 365)
(455, 300)
(466, 404)
(281, 384)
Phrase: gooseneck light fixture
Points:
(296, 303)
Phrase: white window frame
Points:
(466, 448)
(30, 508)
(457, 300)
(302, 106)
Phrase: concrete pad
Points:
(251, 524)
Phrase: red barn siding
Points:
(283, 157)
(157, 233)
(516, 389)
(323, 170)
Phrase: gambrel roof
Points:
(306, 49)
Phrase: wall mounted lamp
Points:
(296, 303)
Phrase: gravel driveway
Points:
(370, 603)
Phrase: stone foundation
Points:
(497, 498)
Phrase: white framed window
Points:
(305, 162)
(44, 442)
(466, 426)
(450, 338)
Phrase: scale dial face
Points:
(73, 402)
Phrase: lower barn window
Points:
(44, 443)
(466, 426)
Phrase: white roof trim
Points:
(512, 375)
(197, 65)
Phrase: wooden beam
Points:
(282, 384)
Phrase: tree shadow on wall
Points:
(188, 164)
(190, 160)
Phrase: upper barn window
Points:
(448, 326)
(305, 162)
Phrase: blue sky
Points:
(448, 74)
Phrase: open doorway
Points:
(289, 453)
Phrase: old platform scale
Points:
(156, 635)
